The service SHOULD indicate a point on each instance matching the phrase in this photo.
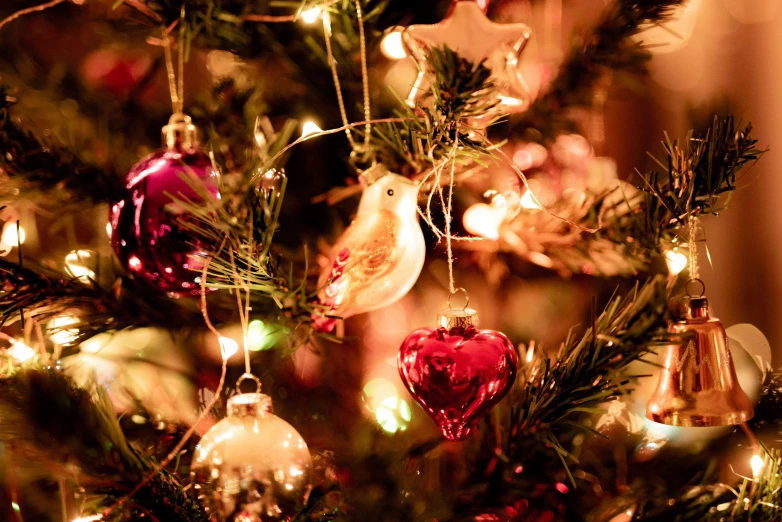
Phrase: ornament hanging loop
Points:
(695, 288)
(466, 297)
(251, 377)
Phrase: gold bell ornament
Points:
(698, 384)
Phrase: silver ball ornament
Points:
(251, 466)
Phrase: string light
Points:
(394, 414)
(310, 127)
(9, 235)
(60, 334)
(310, 16)
(392, 46)
(20, 351)
(88, 519)
(77, 264)
(529, 201)
(756, 463)
(109, 230)
(228, 347)
(676, 261)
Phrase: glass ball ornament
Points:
(147, 235)
(252, 465)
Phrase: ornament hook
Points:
(456, 291)
(688, 287)
(248, 376)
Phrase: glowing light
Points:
(134, 263)
(9, 235)
(392, 46)
(530, 354)
(394, 414)
(78, 262)
(562, 488)
(483, 220)
(756, 463)
(529, 201)
(259, 337)
(228, 347)
(309, 128)
(676, 261)
(310, 16)
(20, 351)
(60, 334)
(109, 230)
(91, 518)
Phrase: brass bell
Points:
(698, 384)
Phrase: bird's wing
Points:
(366, 251)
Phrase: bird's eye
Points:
(390, 192)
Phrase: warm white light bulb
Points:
(676, 261)
(10, 236)
(78, 263)
(109, 230)
(529, 201)
(62, 335)
(309, 127)
(483, 220)
(392, 46)
(228, 347)
(756, 463)
(310, 16)
(20, 351)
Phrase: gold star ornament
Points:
(467, 31)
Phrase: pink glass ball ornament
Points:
(146, 235)
(456, 372)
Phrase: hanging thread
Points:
(176, 85)
(364, 78)
(693, 247)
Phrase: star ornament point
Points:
(468, 32)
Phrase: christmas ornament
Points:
(252, 465)
(456, 372)
(468, 32)
(146, 235)
(698, 384)
(378, 258)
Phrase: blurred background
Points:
(87, 76)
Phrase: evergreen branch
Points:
(458, 105)
(69, 426)
(636, 225)
(29, 163)
(607, 48)
(588, 370)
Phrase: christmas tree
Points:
(241, 323)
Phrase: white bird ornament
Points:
(379, 257)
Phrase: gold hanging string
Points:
(181, 57)
(693, 246)
(364, 78)
(176, 106)
(29, 10)
(364, 75)
(333, 66)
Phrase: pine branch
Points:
(636, 225)
(45, 415)
(29, 163)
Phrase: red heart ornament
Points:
(457, 375)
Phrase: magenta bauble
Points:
(456, 372)
(146, 232)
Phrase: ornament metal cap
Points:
(461, 318)
(180, 133)
(373, 173)
(249, 405)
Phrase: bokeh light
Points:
(20, 351)
(79, 264)
(676, 261)
(60, 333)
(10, 236)
(392, 46)
(310, 16)
(309, 128)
